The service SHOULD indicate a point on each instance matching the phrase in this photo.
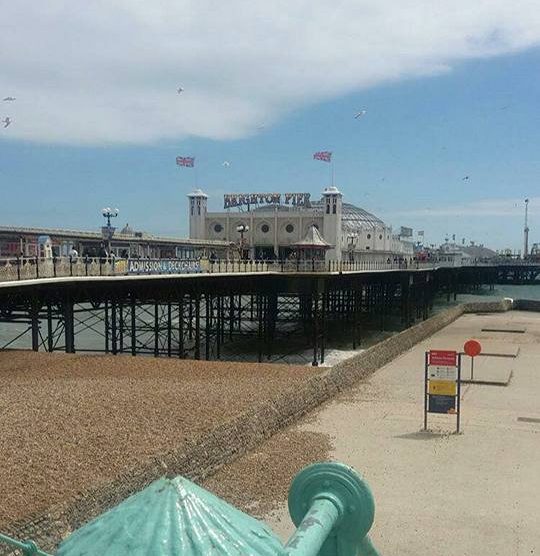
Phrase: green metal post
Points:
(333, 509)
(314, 529)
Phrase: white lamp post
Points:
(242, 229)
(109, 213)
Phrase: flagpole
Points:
(332, 170)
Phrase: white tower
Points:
(198, 201)
(333, 208)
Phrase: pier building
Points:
(271, 225)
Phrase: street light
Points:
(242, 229)
(352, 240)
(108, 230)
(526, 230)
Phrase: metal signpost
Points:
(472, 348)
(442, 384)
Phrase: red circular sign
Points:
(472, 348)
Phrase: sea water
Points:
(9, 331)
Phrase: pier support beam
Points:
(69, 326)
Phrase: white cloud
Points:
(107, 71)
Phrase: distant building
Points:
(272, 224)
(48, 242)
(468, 252)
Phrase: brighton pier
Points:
(219, 308)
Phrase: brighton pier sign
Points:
(246, 199)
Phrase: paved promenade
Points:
(472, 494)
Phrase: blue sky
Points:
(404, 160)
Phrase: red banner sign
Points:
(443, 358)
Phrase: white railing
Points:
(27, 268)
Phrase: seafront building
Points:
(256, 226)
(278, 226)
(48, 242)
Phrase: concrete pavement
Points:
(472, 494)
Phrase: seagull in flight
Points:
(360, 114)
(226, 163)
(465, 178)
(9, 99)
(261, 126)
(180, 90)
(6, 121)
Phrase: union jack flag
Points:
(188, 161)
(325, 156)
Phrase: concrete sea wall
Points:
(233, 438)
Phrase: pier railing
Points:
(28, 268)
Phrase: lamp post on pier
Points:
(242, 229)
(526, 231)
(352, 240)
(108, 230)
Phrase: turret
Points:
(198, 201)
(333, 208)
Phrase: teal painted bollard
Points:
(333, 509)
(329, 502)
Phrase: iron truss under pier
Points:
(222, 316)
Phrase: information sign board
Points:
(442, 384)
(442, 404)
(442, 373)
(443, 357)
(442, 388)
(163, 266)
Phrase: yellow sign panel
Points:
(442, 388)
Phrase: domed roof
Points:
(127, 230)
(198, 193)
(171, 517)
(356, 217)
(332, 190)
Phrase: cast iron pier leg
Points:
(69, 327)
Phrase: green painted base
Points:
(342, 485)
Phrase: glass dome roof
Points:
(355, 218)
